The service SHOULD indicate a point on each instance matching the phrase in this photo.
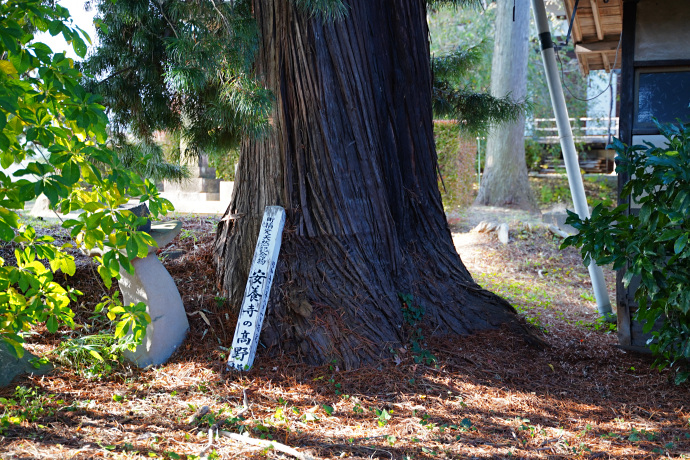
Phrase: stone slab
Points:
(152, 284)
(11, 366)
(176, 197)
(194, 184)
(558, 218)
(226, 188)
(503, 235)
(199, 207)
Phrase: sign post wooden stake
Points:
(258, 289)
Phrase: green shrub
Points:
(225, 164)
(456, 161)
(534, 152)
(652, 244)
(49, 121)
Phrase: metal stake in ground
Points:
(258, 289)
(572, 167)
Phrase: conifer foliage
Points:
(180, 66)
(475, 111)
(186, 67)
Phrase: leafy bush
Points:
(534, 151)
(225, 164)
(556, 190)
(456, 161)
(49, 121)
(652, 244)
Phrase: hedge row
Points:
(457, 163)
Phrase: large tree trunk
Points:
(352, 159)
(505, 181)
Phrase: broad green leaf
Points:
(68, 266)
(105, 276)
(680, 244)
(121, 328)
(6, 232)
(55, 27)
(70, 173)
(132, 248)
(142, 247)
(7, 68)
(668, 235)
(645, 212)
(125, 264)
(4, 145)
(78, 45)
(52, 324)
(92, 206)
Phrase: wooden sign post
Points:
(258, 289)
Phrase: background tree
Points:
(505, 180)
(466, 28)
(350, 155)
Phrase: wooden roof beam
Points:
(596, 47)
(597, 19)
(605, 59)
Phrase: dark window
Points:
(662, 93)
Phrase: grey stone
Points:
(485, 227)
(226, 188)
(200, 167)
(152, 284)
(557, 218)
(41, 207)
(502, 231)
(172, 254)
(193, 197)
(11, 366)
(557, 231)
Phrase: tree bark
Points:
(505, 181)
(351, 158)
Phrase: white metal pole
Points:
(479, 163)
(565, 135)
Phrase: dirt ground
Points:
(487, 396)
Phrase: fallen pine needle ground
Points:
(487, 395)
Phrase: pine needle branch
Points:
(436, 4)
(451, 67)
(476, 112)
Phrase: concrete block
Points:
(193, 185)
(226, 188)
(152, 284)
(193, 197)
